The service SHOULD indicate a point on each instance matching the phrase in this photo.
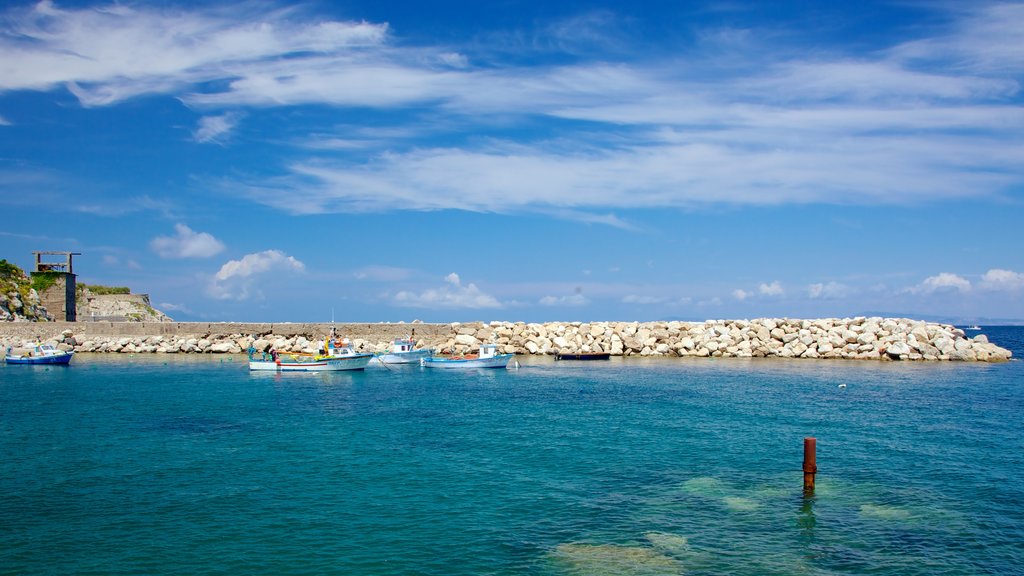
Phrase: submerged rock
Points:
(611, 559)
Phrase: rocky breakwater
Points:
(203, 343)
(847, 338)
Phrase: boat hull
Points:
(354, 362)
(500, 361)
(412, 357)
(49, 360)
(583, 356)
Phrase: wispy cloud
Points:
(236, 279)
(644, 300)
(569, 300)
(451, 295)
(4, 121)
(129, 205)
(740, 294)
(215, 128)
(186, 243)
(378, 273)
(771, 289)
(828, 291)
(108, 54)
(112, 261)
(926, 120)
(171, 307)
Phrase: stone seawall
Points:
(847, 338)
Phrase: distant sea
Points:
(191, 465)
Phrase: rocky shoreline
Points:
(848, 338)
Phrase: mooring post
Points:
(810, 463)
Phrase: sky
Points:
(521, 160)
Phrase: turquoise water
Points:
(168, 465)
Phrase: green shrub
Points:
(42, 281)
(103, 290)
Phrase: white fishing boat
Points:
(404, 351)
(487, 358)
(340, 350)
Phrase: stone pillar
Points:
(59, 297)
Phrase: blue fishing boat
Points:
(488, 358)
(40, 354)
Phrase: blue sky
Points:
(521, 160)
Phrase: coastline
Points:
(857, 338)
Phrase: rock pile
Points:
(848, 338)
(16, 307)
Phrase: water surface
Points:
(171, 465)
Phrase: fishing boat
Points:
(403, 351)
(974, 327)
(337, 355)
(339, 350)
(40, 354)
(487, 358)
(582, 355)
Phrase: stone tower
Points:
(58, 279)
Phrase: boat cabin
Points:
(402, 345)
(488, 350)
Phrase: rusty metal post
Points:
(810, 463)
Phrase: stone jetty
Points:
(833, 338)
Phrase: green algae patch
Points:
(738, 504)
(887, 513)
(611, 559)
(704, 486)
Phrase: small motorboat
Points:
(403, 351)
(582, 355)
(487, 358)
(40, 354)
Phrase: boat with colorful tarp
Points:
(487, 358)
(42, 354)
(335, 355)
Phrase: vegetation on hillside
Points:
(101, 290)
(13, 279)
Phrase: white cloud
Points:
(215, 128)
(186, 243)
(236, 278)
(773, 289)
(740, 294)
(943, 282)
(830, 291)
(4, 121)
(451, 295)
(999, 279)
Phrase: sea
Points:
(155, 464)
